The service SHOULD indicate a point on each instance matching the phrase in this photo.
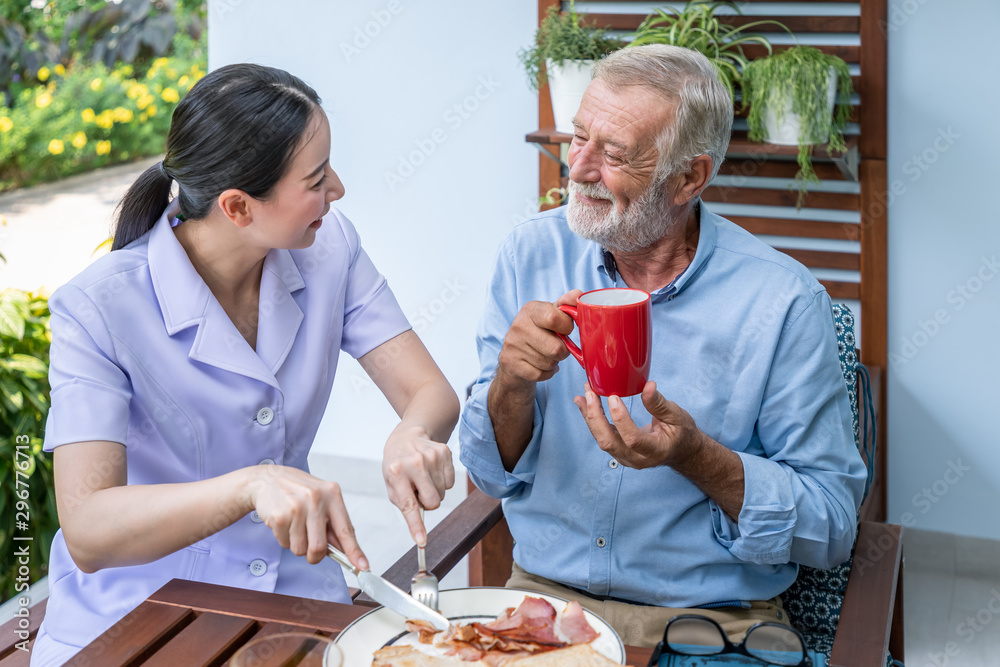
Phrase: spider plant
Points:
(697, 27)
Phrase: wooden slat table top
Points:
(263, 607)
(202, 625)
(208, 640)
(135, 638)
(10, 655)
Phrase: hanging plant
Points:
(800, 74)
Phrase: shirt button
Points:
(266, 462)
(612, 463)
(255, 517)
(265, 416)
(601, 541)
(258, 567)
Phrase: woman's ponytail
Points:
(141, 206)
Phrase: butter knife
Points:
(389, 595)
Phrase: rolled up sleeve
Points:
(90, 392)
(481, 457)
(763, 533)
(801, 497)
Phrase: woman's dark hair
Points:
(238, 128)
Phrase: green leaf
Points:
(30, 366)
(10, 395)
(13, 313)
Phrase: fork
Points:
(424, 585)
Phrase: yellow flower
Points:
(105, 120)
(182, 81)
(87, 115)
(60, 70)
(55, 147)
(122, 115)
(136, 90)
(144, 101)
(160, 62)
(79, 140)
(170, 95)
(6, 125)
(43, 73)
(95, 84)
(151, 110)
(103, 147)
(43, 100)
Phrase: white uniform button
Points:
(266, 462)
(258, 567)
(601, 542)
(265, 416)
(255, 517)
(612, 463)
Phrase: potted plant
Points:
(792, 97)
(697, 27)
(564, 54)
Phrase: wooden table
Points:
(190, 624)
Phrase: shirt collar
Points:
(707, 235)
(185, 301)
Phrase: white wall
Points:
(443, 105)
(444, 221)
(944, 238)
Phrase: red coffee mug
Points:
(616, 335)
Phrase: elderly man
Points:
(707, 500)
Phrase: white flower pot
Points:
(786, 133)
(567, 83)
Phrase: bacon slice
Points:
(573, 625)
(424, 628)
(514, 634)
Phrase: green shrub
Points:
(28, 494)
(90, 117)
(38, 34)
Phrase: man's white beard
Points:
(644, 222)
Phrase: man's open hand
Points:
(671, 436)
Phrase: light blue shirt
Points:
(143, 354)
(744, 341)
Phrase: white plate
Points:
(383, 627)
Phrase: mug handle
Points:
(570, 345)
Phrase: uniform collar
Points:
(707, 235)
(186, 301)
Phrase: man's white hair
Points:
(703, 119)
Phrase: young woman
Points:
(190, 368)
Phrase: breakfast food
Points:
(532, 635)
(581, 655)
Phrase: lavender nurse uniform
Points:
(143, 354)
